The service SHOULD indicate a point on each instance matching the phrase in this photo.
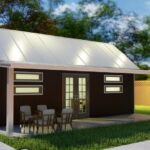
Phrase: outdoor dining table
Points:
(31, 121)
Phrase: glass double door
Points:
(76, 94)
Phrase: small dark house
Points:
(94, 79)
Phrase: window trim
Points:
(23, 94)
(121, 77)
(28, 80)
(113, 92)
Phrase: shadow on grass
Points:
(98, 138)
(85, 139)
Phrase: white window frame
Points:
(113, 92)
(121, 78)
(28, 80)
(19, 94)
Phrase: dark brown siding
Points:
(52, 94)
(100, 104)
(3, 76)
(110, 104)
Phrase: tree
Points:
(135, 42)
(107, 24)
(80, 24)
(26, 15)
(71, 26)
(143, 77)
(52, 4)
(7, 7)
(103, 21)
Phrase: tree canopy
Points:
(26, 15)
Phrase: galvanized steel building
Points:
(94, 79)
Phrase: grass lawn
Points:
(85, 139)
(142, 109)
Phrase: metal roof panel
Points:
(25, 47)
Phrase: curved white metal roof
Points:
(32, 48)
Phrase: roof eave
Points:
(74, 68)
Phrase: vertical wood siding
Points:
(100, 104)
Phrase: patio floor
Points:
(111, 120)
(92, 122)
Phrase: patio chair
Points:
(41, 108)
(25, 115)
(47, 120)
(65, 119)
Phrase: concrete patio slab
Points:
(136, 146)
(107, 121)
(5, 147)
(90, 123)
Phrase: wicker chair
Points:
(47, 120)
(41, 108)
(65, 119)
(25, 115)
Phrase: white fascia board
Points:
(76, 68)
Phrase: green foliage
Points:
(71, 26)
(52, 4)
(27, 15)
(142, 109)
(136, 42)
(108, 9)
(89, 139)
(143, 77)
(80, 25)
(144, 67)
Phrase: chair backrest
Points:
(49, 116)
(67, 115)
(26, 110)
(67, 110)
(41, 107)
(48, 111)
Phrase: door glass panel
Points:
(82, 94)
(71, 81)
(68, 104)
(67, 88)
(71, 95)
(84, 88)
(80, 88)
(83, 81)
(80, 81)
(67, 96)
(69, 92)
(67, 80)
(71, 88)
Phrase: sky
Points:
(141, 7)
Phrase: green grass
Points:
(89, 139)
(142, 109)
